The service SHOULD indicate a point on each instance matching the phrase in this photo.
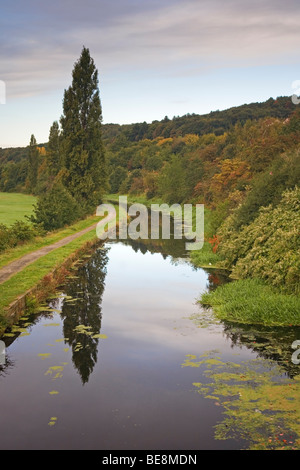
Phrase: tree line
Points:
(14, 161)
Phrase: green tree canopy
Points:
(55, 208)
(83, 151)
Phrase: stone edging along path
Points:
(16, 266)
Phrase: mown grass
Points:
(251, 301)
(15, 206)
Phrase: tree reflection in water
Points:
(81, 312)
(270, 343)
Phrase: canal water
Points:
(125, 358)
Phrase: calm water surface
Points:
(109, 364)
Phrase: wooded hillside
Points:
(242, 163)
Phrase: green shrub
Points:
(268, 187)
(4, 237)
(55, 209)
(269, 247)
(16, 234)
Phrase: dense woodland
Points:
(242, 163)
(251, 135)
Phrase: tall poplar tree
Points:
(53, 150)
(82, 146)
(33, 163)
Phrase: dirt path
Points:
(15, 266)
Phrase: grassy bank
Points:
(205, 258)
(251, 301)
(33, 274)
(15, 206)
(15, 253)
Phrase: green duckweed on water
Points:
(261, 405)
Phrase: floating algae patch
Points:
(48, 309)
(69, 299)
(205, 359)
(55, 371)
(44, 355)
(261, 405)
(82, 329)
(23, 331)
(99, 335)
(205, 319)
(86, 330)
(78, 347)
(52, 421)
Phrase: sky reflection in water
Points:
(129, 389)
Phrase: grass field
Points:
(14, 206)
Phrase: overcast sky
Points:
(154, 57)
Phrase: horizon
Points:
(171, 118)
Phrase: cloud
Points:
(208, 31)
(42, 40)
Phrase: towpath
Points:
(16, 266)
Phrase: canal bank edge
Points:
(49, 281)
(32, 298)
